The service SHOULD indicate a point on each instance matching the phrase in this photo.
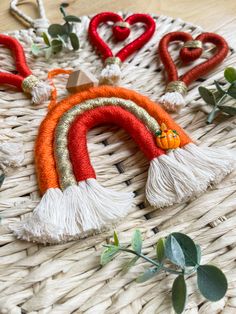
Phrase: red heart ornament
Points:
(121, 30)
(192, 49)
(188, 54)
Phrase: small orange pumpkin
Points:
(166, 138)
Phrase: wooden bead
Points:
(80, 80)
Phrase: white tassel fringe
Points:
(172, 101)
(186, 172)
(11, 155)
(41, 92)
(80, 210)
(110, 75)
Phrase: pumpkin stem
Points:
(163, 127)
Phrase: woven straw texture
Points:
(68, 278)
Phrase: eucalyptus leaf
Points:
(74, 41)
(188, 247)
(211, 281)
(115, 237)
(46, 39)
(2, 178)
(179, 294)
(228, 109)
(48, 52)
(232, 91)
(136, 242)
(72, 18)
(220, 90)
(148, 274)
(230, 74)
(207, 95)
(108, 254)
(57, 45)
(129, 264)
(55, 29)
(160, 250)
(35, 50)
(174, 252)
(67, 28)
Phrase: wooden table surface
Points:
(210, 14)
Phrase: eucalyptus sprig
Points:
(218, 96)
(175, 254)
(58, 36)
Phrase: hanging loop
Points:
(40, 25)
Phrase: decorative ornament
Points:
(74, 204)
(111, 73)
(176, 89)
(24, 80)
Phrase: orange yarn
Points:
(44, 151)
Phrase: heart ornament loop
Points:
(191, 50)
(121, 30)
(24, 80)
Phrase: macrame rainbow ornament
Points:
(11, 154)
(111, 73)
(74, 204)
(192, 49)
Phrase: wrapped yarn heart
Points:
(110, 75)
(173, 99)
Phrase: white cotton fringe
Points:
(79, 211)
(184, 173)
(110, 75)
(41, 92)
(172, 101)
(11, 155)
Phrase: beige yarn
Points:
(67, 278)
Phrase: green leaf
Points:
(232, 91)
(48, 52)
(160, 250)
(207, 95)
(211, 281)
(230, 74)
(179, 294)
(108, 254)
(212, 114)
(46, 39)
(67, 28)
(62, 6)
(148, 274)
(220, 90)
(228, 109)
(74, 41)
(199, 253)
(129, 264)
(136, 242)
(55, 29)
(57, 45)
(174, 252)
(72, 18)
(188, 247)
(2, 178)
(35, 50)
(115, 237)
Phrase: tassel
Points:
(172, 101)
(209, 164)
(39, 90)
(80, 210)
(110, 75)
(11, 155)
(170, 182)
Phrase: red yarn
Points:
(77, 141)
(120, 33)
(191, 54)
(20, 61)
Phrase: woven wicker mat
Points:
(67, 278)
